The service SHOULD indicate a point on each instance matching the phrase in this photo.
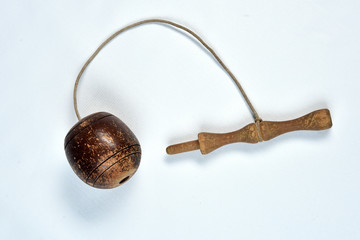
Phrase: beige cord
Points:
(255, 115)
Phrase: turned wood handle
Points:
(210, 141)
(317, 120)
(255, 132)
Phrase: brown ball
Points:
(102, 150)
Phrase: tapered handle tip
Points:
(183, 147)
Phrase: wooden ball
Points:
(102, 150)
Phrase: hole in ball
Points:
(124, 180)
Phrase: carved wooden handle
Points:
(255, 132)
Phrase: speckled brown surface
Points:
(102, 150)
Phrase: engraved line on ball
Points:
(92, 171)
(84, 129)
(113, 165)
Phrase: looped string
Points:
(255, 115)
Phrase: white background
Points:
(292, 57)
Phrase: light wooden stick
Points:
(255, 132)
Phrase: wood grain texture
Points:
(210, 141)
(102, 150)
(255, 132)
(317, 120)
